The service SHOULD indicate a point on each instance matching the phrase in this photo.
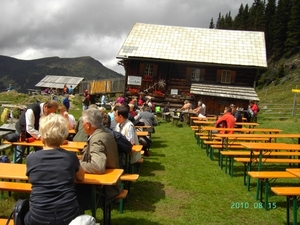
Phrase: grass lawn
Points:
(180, 185)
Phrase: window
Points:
(226, 76)
(195, 74)
(148, 70)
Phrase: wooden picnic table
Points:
(110, 177)
(290, 192)
(243, 130)
(258, 135)
(249, 124)
(39, 143)
(265, 149)
(142, 133)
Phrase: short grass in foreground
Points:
(180, 185)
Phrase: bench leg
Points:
(266, 194)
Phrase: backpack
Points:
(123, 144)
(18, 214)
(258, 108)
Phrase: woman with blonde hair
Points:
(52, 172)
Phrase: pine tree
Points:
(211, 24)
(256, 15)
(269, 29)
(237, 22)
(282, 16)
(228, 21)
(218, 21)
(292, 43)
(245, 19)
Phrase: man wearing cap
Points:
(86, 100)
(237, 115)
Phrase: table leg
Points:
(295, 209)
(267, 194)
(93, 195)
(288, 210)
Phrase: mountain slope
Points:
(24, 74)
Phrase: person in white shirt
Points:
(71, 122)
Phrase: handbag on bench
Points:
(18, 214)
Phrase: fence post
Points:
(295, 103)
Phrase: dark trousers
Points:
(55, 218)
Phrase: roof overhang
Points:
(225, 91)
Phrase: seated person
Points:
(126, 127)
(80, 134)
(71, 122)
(252, 108)
(52, 172)
(147, 118)
(198, 109)
(237, 115)
(186, 107)
(99, 154)
(226, 121)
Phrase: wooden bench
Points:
(126, 179)
(264, 177)
(229, 155)
(175, 120)
(220, 147)
(289, 192)
(121, 197)
(246, 162)
(4, 147)
(15, 186)
(3, 222)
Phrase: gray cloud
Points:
(71, 28)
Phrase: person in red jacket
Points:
(253, 108)
(226, 121)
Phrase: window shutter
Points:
(188, 73)
(219, 73)
(155, 67)
(233, 75)
(142, 69)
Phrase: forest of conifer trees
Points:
(279, 20)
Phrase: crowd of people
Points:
(54, 197)
(231, 115)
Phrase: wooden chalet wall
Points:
(177, 76)
(103, 86)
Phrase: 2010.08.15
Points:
(255, 205)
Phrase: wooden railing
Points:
(278, 111)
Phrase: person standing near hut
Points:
(66, 89)
(86, 100)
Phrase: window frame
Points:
(196, 74)
(226, 76)
(148, 69)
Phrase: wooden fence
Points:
(103, 86)
(278, 111)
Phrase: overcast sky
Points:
(31, 29)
